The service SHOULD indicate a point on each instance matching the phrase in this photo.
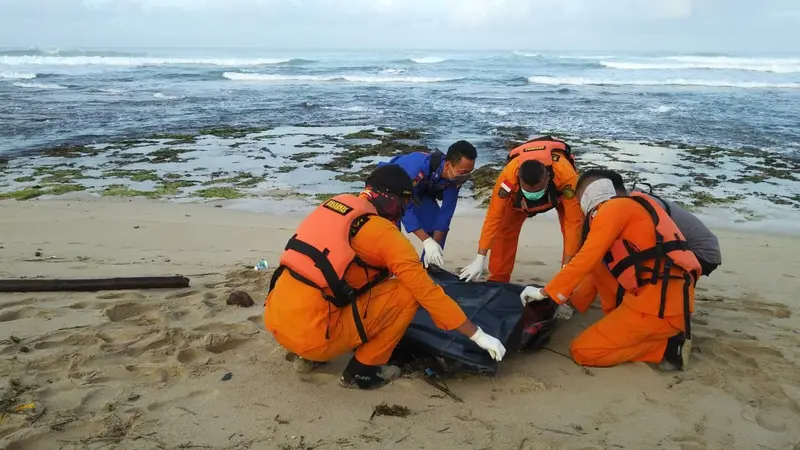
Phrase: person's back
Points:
(701, 240)
(298, 313)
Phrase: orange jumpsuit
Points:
(298, 316)
(503, 222)
(633, 331)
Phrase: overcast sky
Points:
(587, 25)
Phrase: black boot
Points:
(362, 376)
(676, 356)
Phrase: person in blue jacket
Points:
(437, 178)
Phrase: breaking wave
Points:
(428, 60)
(777, 65)
(237, 76)
(17, 76)
(127, 61)
(579, 81)
(47, 86)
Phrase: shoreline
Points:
(294, 210)
(293, 168)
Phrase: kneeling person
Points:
(638, 261)
(332, 292)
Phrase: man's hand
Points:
(474, 269)
(532, 294)
(490, 344)
(433, 253)
(564, 312)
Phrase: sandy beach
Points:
(179, 368)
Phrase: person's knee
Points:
(582, 350)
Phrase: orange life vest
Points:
(634, 268)
(544, 149)
(319, 254)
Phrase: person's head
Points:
(534, 179)
(594, 174)
(459, 162)
(596, 186)
(390, 190)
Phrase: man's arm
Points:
(416, 166)
(606, 228)
(401, 259)
(570, 208)
(494, 216)
(449, 201)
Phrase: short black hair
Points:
(594, 174)
(532, 172)
(461, 149)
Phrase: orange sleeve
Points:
(566, 179)
(496, 211)
(584, 294)
(400, 257)
(607, 225)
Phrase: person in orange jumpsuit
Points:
(306, 320)
(647, 294)
(539, 176)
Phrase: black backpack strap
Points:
(435, 161)
(342, 293)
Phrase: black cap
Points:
(392, 179)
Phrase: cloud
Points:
(698, 25)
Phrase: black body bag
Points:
(495, 307)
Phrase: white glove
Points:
(433, 253)
(564, 312)
(531, 294)
(490, 344)
(474, 269)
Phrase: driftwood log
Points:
(92, 284)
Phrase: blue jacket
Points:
(417, 166)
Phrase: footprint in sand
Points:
(118, 313)
(258, 320)
(193, 357)
(119, 295)
(23, 313)
(183, 294)
(220, 343)
(174, 403)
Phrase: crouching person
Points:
(635, 257)
(334, 291)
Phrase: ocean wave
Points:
(781, 65)
(527, 55)
(238, 76)
(393, 71)
(64, 53)
(585, 57)
(162, 96)
(579, 81)
(17, 75)
(428, 60)
(39, 85)
(125, 61)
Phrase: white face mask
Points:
(597, 192)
